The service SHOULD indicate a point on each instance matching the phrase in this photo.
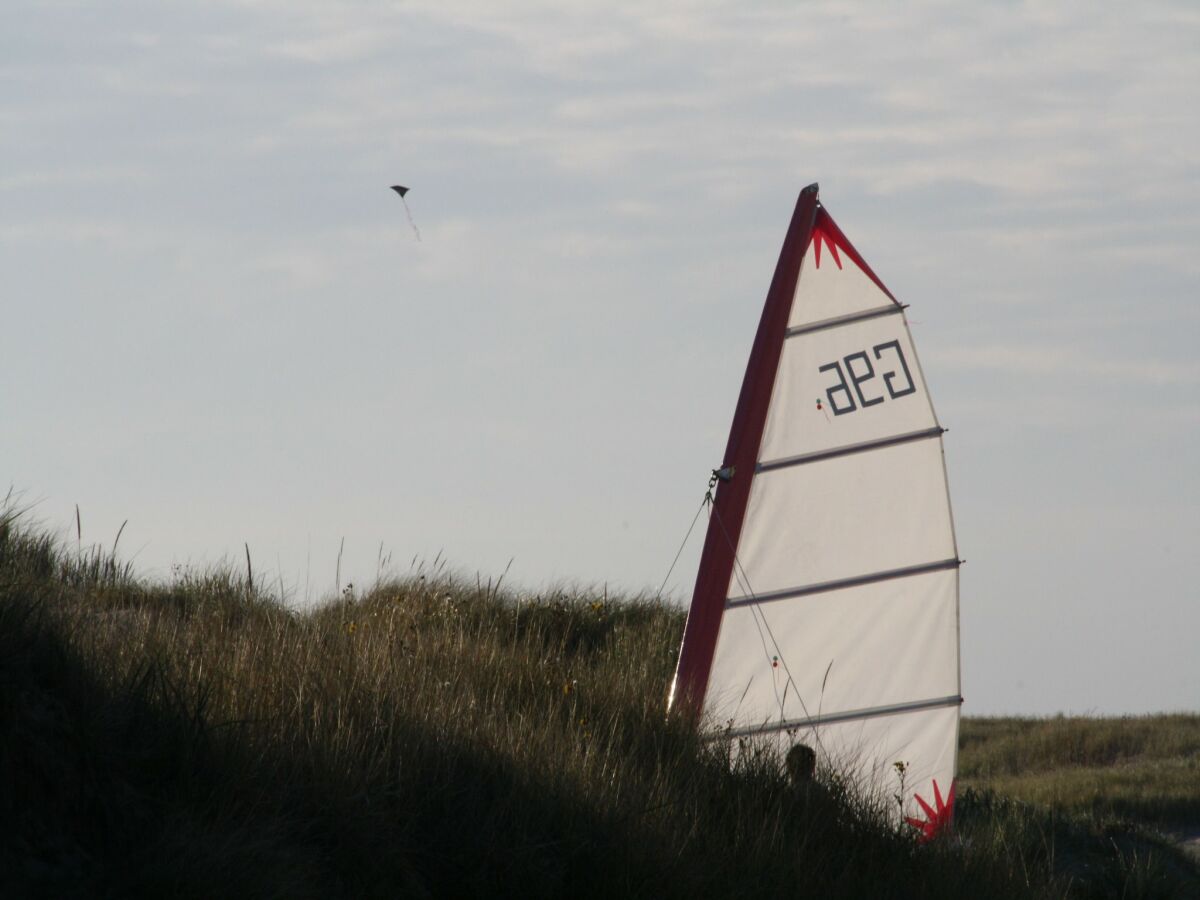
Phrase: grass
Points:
(1144, 768)
(434, 737)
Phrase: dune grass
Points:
(1144, 768)
(434, 737)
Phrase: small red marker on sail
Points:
(402, 190)
(821, 407)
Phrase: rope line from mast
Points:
(744, 579)
(703, 503)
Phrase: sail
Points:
(826, 603)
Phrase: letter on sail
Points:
(826, 603)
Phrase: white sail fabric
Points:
(840, 628)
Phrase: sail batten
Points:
(860, 447)
(837, 321)
(852, 715)
(842, 584)
(828, 583)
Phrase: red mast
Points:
(741, 455)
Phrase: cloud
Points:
(298, 268)
(83, 176)
(333, 46)
(109, 234)
(1068, 364)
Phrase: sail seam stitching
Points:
(842, 583)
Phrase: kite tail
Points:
(408, 213)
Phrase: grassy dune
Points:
(433, 738)
(1144, 768)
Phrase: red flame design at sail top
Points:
(825, 233)
(819, 237)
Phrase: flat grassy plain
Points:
(440, 737)
(1144, 768)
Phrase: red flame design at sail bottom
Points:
(939, 818)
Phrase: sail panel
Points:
(859, 648)
(844, 517)
(843, 386)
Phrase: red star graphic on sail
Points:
(938, 818)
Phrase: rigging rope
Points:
(744, 581)
(758, 616)
(707, 499)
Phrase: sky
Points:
(219, 326)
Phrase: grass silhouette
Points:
(435, 737)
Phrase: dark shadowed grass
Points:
(430, 738)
